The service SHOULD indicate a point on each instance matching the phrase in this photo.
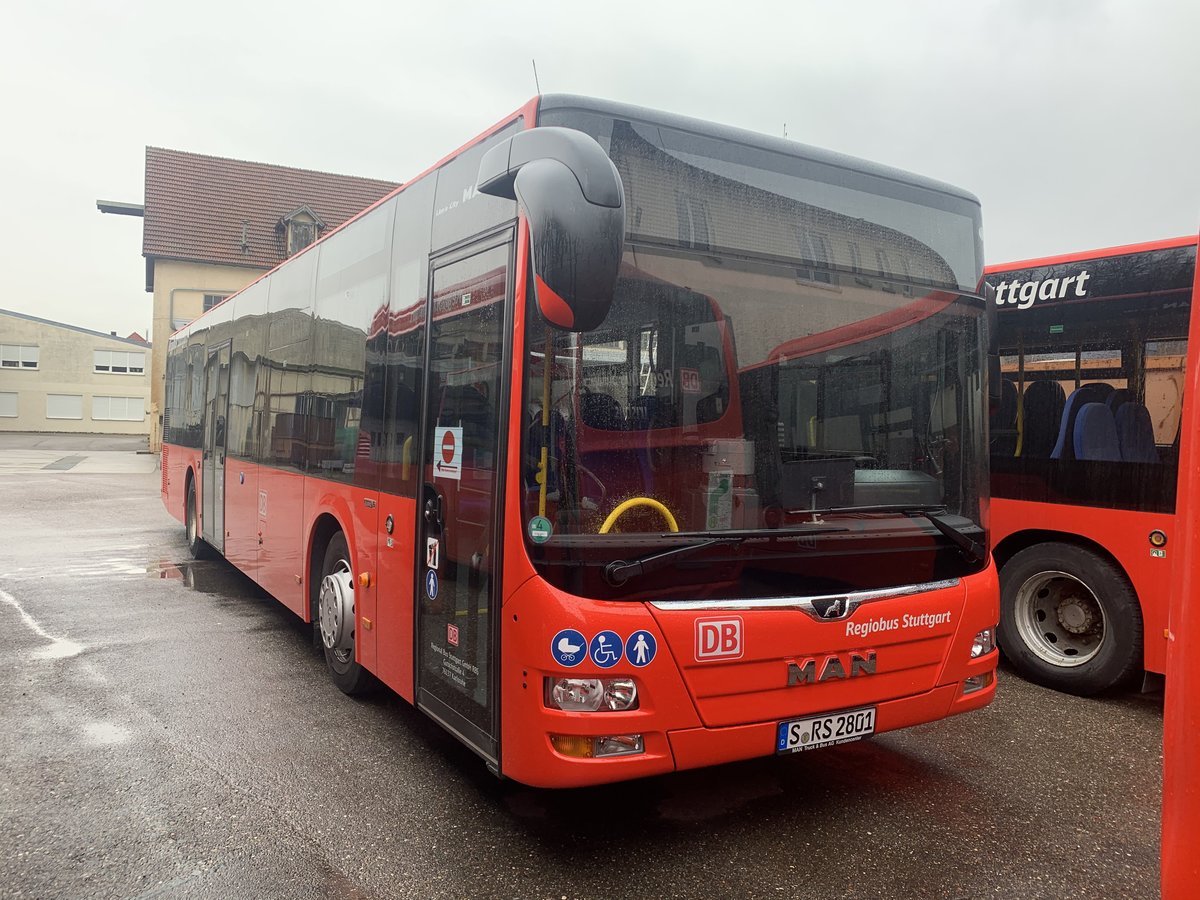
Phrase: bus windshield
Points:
(752, 401)
(791, 360)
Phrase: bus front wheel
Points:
(336, 618)
(1069, 619)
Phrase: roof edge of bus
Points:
(1187, 240)
(754, 139)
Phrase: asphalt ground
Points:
(169, 731)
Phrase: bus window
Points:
(1164, 370)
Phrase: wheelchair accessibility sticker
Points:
(605, 649)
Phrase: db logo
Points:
(719, 638)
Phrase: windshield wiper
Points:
(971, 549)
(620, 571)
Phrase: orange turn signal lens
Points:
(573, 745)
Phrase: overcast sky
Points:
(1077, 123)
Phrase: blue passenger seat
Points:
(1135, 434)
(1080, 397)
(1041, 410)
(1095, 435)
(1003, 425)
(1118, 398)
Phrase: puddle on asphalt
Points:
(206, 577)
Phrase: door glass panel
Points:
(458, 503)
(217, 397)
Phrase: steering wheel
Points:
(638, 501)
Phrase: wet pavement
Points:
(80, 454)
(169, 731)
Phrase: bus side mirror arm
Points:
(574, 202)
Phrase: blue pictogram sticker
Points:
(605, 649)
(431, 584)
(567, 647)
(640, 648)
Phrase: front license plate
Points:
(824, 731)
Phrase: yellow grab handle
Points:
(638, 501)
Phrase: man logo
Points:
(861, 664)
(831, 607)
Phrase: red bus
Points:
(618, 443)
(1085, 449)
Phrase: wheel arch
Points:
(189, 479)
(1023, 540)
(324, 527)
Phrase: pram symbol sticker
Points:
(567, 647)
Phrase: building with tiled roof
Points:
(212, 225)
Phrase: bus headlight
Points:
(985, 642)
(591, 694)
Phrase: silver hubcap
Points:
(336, 611)
(1060, 619)
(191, 519)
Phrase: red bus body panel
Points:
(1181, 725)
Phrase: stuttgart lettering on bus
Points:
(1024, 293)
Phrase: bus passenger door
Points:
(216, 414)
(458, 503)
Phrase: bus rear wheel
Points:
(197, 546)
(336, 618)
(1069, 619)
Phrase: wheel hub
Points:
(1059, 618)
(336, 610)
(1076, 616)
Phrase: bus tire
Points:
(1069, 619)
(335, 620)
(197, 546)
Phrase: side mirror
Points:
(994, 376)
(574, 202)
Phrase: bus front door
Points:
(458, 508)
(216, 411)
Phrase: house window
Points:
(118, 409)
(119, 362)
(18, 356)
(300, 235)
(8, 404)
(693, 222)
(211, 300)
(815, 250)
(64, 406)
(855, 258)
